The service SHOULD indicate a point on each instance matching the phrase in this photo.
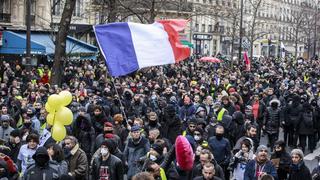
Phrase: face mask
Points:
(219, 136)
(104, 151)
(197, 138)
(153, 157)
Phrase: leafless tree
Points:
(255, 32)
(60, 42)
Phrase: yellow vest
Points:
(306, 78)
(40, 72)
(228, 86)
(184, 133)
(163, 174)
(220, 114)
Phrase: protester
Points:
(260, 166)
(76, 158)
(41, 169)
(107, 166)
(281, 160)
(189, 98)
(298, 170)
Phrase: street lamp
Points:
(240, 30)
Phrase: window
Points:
(77, 8)
(203, 28)
(5, 14)
(210, 28)
(197, 27)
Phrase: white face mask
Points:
(197, 138)
(153, 157)
(104, 151)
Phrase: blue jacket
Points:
(250, 172)
(221, 150)
(186, 112)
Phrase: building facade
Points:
(213, 27)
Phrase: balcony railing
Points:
(4, 17)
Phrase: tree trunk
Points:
(60, 43)
(112, 11)
(296, 44)
(152, 12)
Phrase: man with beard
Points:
(76, 158)
(5, 128)
(251, 133)
(260, 166)
(136, 147)
(152, 122)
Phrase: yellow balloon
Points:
(50, 118)
(49, 109)
(64, 116)
(66, 97)
(55, 101)
(58, 131)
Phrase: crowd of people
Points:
(126, 127)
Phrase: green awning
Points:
(187, 43)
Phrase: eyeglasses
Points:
(197, 134)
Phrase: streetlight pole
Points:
(240, 30)
(28, 35)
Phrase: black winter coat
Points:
(85, 133)
(171, 127)
(306, 125)
(284, 164)
(272, 120)
(43, 173)
(112, 168)
(302, 172)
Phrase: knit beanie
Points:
(297, 152)
(158, 148)
(262, 147)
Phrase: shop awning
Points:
(43, 43)
(13, 43)
(187, 43)
(74, 47)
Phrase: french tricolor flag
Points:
(128, 47)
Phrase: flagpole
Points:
(118, 97)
